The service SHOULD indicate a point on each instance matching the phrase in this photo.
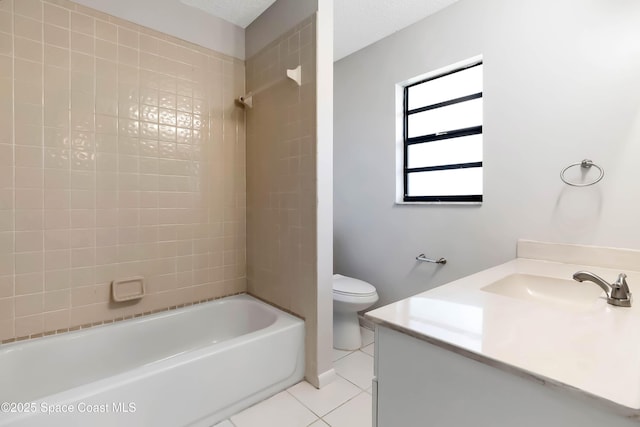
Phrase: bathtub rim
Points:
(161, 314)
(283, 322)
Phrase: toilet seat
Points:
(350, 287)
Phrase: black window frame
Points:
(455, 133)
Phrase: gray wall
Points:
(561, 84)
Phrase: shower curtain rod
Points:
(294, 74)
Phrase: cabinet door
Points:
(423, 385)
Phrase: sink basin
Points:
(548, 290)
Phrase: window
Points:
(442, 132)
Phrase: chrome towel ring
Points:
(586, 164)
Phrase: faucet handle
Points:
(620, 289)
(621, 281)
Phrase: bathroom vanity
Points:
(521, 344)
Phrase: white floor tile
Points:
(354, 413)
(281, 410)
(328, 398)
(357, 368)
(367, 336)
(319, 423)
(225, 423)
(369, 349)
(339, 354)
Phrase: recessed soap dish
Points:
(128, 289)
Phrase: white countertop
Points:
(594, 349)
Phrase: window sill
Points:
(437, 203)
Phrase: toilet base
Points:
(346, 331)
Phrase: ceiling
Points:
(239, 12)
(358, 23)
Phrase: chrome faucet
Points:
(617, 293)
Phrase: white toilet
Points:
(349, 297)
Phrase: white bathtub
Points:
(188, 367)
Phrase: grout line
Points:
(94, 175)
(13, 151)
(42, 158)
(302, 403)
(67, 170)
(321, 417)
(351, 382)
(364, 352)
(341, 405)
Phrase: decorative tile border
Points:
(120, 319)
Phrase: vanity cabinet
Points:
(421, 384)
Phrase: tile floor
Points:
(346, 402)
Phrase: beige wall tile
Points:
(56, 56)
(27, 70)
(6, 242)
(6, 286)
(29, 325)
(29, 262)
(56, 36)
(280, 177)
(7, 308)
(92, 12)
(109, 172)
(28, 92)
(6, 44)
(56, 280)
(6, 21)
(88, 314)
(28, 8)
(6, 67)
(28, 49)
(106, 31)
(82, 43)
(57, 259)
(28, 241)
(106, 50)
(90, 295)
(6, 261)
(28, 28)
(82, 23)
(56, 320)
(128, 38)
(148, 44)
(55, 15)
(29, 283)
(57, 300)
(28, 305)
(7, 329)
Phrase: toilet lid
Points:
(349, 286)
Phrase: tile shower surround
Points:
(121, 153)
(281, 179)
